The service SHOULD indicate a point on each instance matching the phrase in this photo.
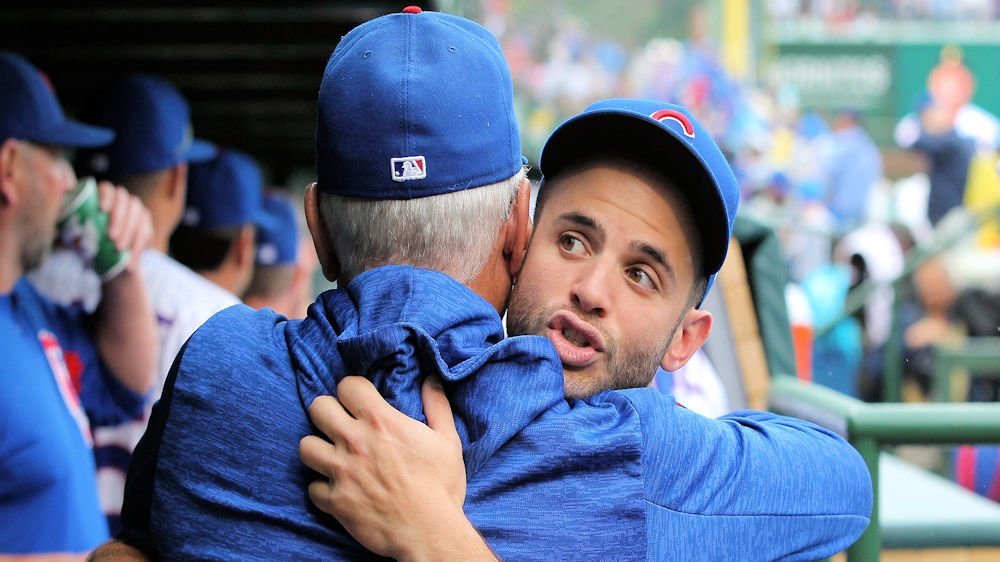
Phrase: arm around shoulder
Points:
(802, 485)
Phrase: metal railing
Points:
(869, 427)
(944, 239)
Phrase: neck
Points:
(160, 240)
(493, 283)
(166, 217)
(280, 303)
(226, 277)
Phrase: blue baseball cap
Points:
(152, 123)
(415, 104)
(278, 243)
(30, 111)
(226, 192)
(668, 138)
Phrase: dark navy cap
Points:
(278, 243)
(668, 138)
(226, 192)
(415, 104)
(30, 111)
(152, 123)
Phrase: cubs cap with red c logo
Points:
(667, 138)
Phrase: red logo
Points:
(57, 361)
(674, 115)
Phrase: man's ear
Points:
(317, 228)
(518, 232)
(689, 336)
(244, 247)
(8, 194)
(178, 182)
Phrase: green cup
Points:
(84, 227)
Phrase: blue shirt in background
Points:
(48, 488)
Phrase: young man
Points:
(62, 371)
(433, 179)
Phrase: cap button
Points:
(412, 10)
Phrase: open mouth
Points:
(578, 343)
(575, 337)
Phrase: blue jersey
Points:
(48, 494)
(621, 475)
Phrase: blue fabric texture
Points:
(621, 475)
(48, 493)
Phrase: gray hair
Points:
(453, 233)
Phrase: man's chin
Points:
(581, 383)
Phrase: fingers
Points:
(320, 492)
(359, 396)
(144, 231)
(329, 416)
(118, 215)
(436, 406)
(130, 225)
(318, 454)
(106, 196)
(131, 222)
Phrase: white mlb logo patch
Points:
(409, 168)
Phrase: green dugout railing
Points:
(869, 427)
(943, 240)
(977, 356)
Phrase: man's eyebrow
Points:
(654, 254)
(585, 221)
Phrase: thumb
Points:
(436, 406)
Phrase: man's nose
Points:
(591, 291)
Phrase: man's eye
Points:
(571, 244)
(640, 277)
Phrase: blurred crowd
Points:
(819, 180)
(850, 11)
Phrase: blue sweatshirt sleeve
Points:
(747, 486)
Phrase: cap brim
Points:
(200, 151)
(263, 219)
(71, 134)
(629, 134)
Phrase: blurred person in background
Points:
(150, 155)
(853, 167)
(875, 252)
(947, 153)
(62, 370)
(280, 272)
(217, 234)
(934, 326)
